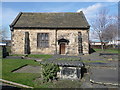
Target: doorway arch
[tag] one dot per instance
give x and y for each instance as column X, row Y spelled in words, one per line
column 62, row 45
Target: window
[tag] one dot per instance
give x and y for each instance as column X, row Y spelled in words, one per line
column 79, row 42
column 42, row 40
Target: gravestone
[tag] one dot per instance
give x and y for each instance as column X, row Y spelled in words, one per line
column 68, row 69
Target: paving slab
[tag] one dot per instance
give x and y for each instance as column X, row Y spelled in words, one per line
column 106, row 64
column 29, row 69
column 105, row 75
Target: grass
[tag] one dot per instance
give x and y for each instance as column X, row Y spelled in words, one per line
column 70, row 59
column 84, row 61
column 67, row 83
column 107, row 50
column 9, row 65
column 63, row 83
column 30, row 79
column 96, row 61
column 17, row 55
column 43, row 56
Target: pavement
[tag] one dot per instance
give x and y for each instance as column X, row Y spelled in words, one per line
column 28, row 69
column 101, row 75
column 104, row 75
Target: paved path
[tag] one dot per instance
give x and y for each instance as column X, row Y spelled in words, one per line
column 104, row 75
column 101, row 75
column 29, row 69
column 10, row 84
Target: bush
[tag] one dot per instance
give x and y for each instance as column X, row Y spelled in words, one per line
column 49, row 71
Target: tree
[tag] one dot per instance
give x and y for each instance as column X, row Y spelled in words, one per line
column 100, row 24
column 3, row 34
column 110, row 33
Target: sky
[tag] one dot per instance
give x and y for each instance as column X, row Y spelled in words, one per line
column 11, row 9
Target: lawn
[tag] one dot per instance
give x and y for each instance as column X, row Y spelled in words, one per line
column 42, row 56
column 107, row 50
column 30, row 79
column 70, row 59
column 9, row 65
column 96, row 61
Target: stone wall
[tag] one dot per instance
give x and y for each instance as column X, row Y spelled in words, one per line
column 72, row 36
column 85, row 41
column 69, row 73
column 18, row 40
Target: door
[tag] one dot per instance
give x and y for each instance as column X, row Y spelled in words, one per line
column 62, row 48
column 27, row 44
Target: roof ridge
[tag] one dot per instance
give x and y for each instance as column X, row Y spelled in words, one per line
column 51, row 12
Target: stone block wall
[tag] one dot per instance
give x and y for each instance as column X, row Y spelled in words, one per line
column 18, row 41
column 85, row 41
column 72, row 36
column 69, row 73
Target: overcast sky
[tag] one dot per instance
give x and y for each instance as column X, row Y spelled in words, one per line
column 11, row 9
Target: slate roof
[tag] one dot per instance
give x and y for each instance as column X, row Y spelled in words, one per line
column 50, row 20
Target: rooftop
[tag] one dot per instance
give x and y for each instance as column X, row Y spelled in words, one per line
column 50, row 20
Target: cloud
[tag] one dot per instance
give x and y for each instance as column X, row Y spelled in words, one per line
column 90, row 13
column 91, row 9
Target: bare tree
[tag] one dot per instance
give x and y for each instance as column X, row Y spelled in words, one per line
column 3, row 34
column 100, row 23
column 110, row 33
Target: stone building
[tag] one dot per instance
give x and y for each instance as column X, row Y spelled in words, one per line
column 50, row 33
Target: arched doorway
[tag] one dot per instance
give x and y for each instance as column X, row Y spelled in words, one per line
column 62, row 45
column 62, row 48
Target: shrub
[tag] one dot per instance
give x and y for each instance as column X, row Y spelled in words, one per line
column 49, row 71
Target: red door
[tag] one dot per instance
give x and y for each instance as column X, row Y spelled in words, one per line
column 62, row 48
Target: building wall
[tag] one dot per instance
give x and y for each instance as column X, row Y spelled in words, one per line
column 18, row 40
column 72, row 36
